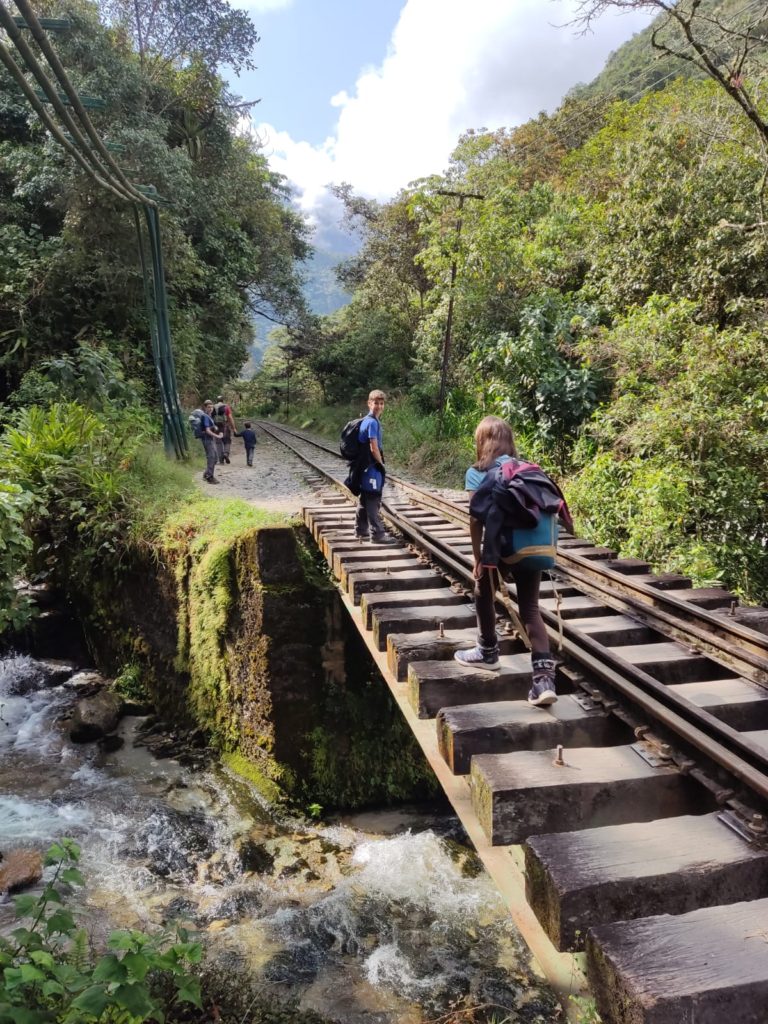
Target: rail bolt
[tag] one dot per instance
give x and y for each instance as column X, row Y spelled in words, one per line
column 559, row 760
column 757, row 823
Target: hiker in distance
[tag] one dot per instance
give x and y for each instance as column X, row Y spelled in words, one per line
column 248, row 435
column 210, row 436
column 225, row 424
column 370, row 473
column 514, row 507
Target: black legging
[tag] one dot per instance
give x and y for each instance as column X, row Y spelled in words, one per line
column 527, row 584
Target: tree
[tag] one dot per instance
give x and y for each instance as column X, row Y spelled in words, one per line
column 727, row 42
column 178, row 32
column 69, row 269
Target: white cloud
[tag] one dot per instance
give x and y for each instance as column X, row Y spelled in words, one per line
column 449, row 66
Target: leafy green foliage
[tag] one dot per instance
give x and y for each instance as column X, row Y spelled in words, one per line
column 537, row 379
column 49, row 974
column 15, row 546
column 69, row 460
column 69, row 268
column 91, row 374
column 674, row 468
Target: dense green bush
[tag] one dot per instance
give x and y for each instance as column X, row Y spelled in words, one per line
column 71, row 460
column 15, row 547
column 673, row 469
column 49, row 974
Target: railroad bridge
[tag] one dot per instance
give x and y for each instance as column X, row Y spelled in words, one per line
column 627, row 820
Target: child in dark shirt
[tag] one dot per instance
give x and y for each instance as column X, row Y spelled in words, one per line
column 248, row 435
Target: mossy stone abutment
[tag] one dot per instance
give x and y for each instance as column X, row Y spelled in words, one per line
column 234, row 630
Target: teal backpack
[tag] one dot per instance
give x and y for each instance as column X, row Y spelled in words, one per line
column 535, row 548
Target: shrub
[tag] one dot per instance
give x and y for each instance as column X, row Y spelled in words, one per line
column 48, row 972
column 15, row 546
column 71, row 462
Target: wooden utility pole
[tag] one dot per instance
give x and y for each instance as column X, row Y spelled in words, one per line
column 445, row 363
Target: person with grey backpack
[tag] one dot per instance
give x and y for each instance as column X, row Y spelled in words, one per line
column 204, row 429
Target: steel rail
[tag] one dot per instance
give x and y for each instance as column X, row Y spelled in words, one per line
column 749, row 659
column 739, row 756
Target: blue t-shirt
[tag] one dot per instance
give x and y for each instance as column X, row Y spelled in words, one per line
column 206, row 423
column 372, row 479
column 474, row 477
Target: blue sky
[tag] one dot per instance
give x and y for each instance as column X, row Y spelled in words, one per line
column 377, row 92
column 309, row 51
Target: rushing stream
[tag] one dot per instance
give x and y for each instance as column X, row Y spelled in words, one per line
column 357, row 923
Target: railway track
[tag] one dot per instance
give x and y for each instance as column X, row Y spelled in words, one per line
column 637, row 805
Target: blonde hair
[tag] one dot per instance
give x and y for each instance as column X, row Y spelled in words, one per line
column 376, row 393
column 493, row 438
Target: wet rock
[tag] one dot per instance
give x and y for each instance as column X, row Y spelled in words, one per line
column 109, row 744
column 19, row 869
column 94, row 717
column 20, row 675
column 180, row 909
column 86, row 683
column 41, row 594
column 173, row 842
column 254, row 856
column 135, row 709
column 57, row 671
column 310, row 858
column 238, row 904
column 52, row 634
column 189, row 749
column 464, row 858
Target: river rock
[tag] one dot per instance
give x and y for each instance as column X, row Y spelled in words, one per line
column 19, row 869
column 86, row 682
column 94, row 717
column 42, row 594
column 57, row 671
column 253, row 856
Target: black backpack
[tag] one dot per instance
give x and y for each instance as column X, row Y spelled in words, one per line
column 349, row 442
column 220, row 415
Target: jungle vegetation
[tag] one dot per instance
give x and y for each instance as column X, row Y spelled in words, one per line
column 609, row 290
column 606, row 266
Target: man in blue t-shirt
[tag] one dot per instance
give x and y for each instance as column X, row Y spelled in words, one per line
column 210, row 436
column 368, row 522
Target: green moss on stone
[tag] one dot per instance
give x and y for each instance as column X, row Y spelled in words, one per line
column 261, row 780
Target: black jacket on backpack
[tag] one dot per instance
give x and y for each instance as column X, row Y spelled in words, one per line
column 514, row 496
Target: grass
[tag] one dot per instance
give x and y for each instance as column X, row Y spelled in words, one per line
column 165, row 500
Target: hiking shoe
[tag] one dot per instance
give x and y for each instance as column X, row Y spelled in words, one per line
column 362, row 536
column 226, row 459
column 384, row 539
column 477, row 657
column 212, row 480
column 542, row 692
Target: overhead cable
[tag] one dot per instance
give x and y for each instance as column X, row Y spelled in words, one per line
column 18, row 76
column 43, row 42
column 79, row 141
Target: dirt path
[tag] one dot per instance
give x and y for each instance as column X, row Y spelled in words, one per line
column 277, row 479
column 275, row 482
